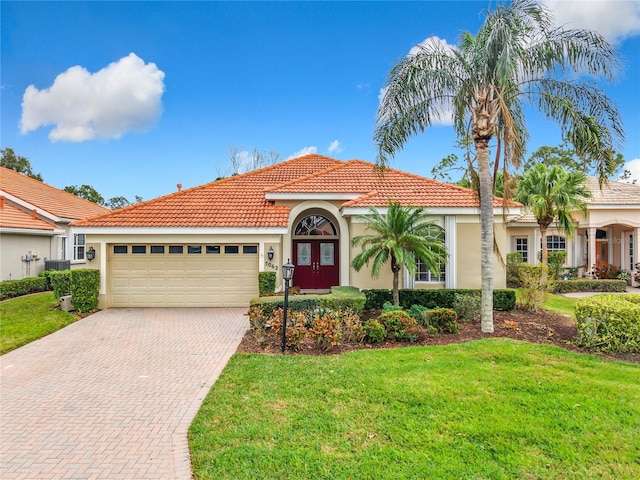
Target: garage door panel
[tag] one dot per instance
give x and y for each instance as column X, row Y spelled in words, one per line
column 182, row 280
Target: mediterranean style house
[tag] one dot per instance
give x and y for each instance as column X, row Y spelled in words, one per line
column 34, row 226
column 204, row 246
column 608, row 233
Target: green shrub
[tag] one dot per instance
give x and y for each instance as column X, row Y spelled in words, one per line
column 467, row 306
column 605, row 271
column 589, row 285
column 417, row 312
column 442, row 320
column 557, row 258
column 296, row 327
column 503, row 300
column 610, row 323
column 535, row 286
column 17, row 288
column 570, row 273
column 343, row 298
column 352, row 328
column 514, row 260
column 374, row 331
column 60, row 282
column 326, row 330
column 339, row 299
column 85, row 288
column 266, row 283
column 399, row 324
column 390, row 307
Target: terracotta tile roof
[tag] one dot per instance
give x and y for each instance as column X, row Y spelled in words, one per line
column 236, row 201
column 12, row 217
column 57, row 202
column 241, row 201
column 378, row 187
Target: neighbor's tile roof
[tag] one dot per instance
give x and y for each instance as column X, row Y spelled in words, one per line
column 612, row 193
column 56, row 202
column 241, row 201
column 12, row 217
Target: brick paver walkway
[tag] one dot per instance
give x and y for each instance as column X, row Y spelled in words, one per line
column 112, row 396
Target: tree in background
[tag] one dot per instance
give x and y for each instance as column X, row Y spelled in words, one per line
column 18, row 163
column 400, row 237
column 553, row 193
column 87, row 192
column 485, row 82
column 564, row 156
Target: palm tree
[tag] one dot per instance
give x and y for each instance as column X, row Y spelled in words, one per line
column 485, row 83
column 400, row 236
column 553, row 193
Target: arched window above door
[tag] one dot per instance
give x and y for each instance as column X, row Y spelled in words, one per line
column 315, row 225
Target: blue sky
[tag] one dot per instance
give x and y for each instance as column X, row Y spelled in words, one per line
column 135, row 97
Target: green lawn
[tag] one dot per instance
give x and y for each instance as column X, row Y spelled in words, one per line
column 491, row 409
column 25, row 319
column 560, row 304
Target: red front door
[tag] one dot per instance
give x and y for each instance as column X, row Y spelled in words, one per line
column 316, row 264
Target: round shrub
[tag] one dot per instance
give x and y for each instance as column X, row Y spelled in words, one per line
column 399, row 324
column 374, row 331
column 610, row 323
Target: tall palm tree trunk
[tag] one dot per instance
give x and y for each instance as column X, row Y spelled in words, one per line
column 395, row 268
column 544, row 257
column 486, row 233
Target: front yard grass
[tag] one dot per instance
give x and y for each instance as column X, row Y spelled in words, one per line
column 28, row 318
column 495, row 408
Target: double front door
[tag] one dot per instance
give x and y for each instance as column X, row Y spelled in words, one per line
column 316, row 263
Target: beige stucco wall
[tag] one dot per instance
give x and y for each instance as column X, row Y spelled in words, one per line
column 468, row 254
column 13, row 248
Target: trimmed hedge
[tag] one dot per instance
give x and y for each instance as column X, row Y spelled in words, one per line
column 60, row 282
column 589, row 285
column 17, row 288
column 340, row 298
column 502, row 299
column 610, row 323
column 85, row 287
column 266, row 283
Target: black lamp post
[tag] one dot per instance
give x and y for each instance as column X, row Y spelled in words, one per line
column 287, row 274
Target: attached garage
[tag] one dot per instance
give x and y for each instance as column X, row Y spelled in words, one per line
column 179, row 275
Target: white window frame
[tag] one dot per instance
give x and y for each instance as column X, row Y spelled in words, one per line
column 428, row 276
column 515, row 246
column 79, row 248
column 551, row 240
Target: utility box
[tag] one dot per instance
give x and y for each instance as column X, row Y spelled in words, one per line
column 65, row 303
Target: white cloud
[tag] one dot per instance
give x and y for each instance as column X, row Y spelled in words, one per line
column 445, row 115
column 634, row 167
column 615, row 20
column 334, row 147
column 122, row 97
column 303, row 152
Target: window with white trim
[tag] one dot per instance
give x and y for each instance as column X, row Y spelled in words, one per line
column 521, row 245
column 555, row 242
column 79, row 244
column 423, row 274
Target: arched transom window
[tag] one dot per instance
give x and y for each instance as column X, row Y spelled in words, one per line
column 315, row 225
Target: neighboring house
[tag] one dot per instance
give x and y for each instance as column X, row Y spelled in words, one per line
column 205, row 246
column 34, row 225
column 608, row 233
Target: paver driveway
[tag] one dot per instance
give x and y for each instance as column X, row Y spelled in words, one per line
column 112, row 396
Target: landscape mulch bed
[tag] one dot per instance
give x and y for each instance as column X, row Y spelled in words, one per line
column 536, row 327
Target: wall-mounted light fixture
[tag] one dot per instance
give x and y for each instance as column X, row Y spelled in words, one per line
column 91, row 254
column 270, row 253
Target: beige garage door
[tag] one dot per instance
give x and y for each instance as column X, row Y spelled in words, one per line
column 182, row 275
